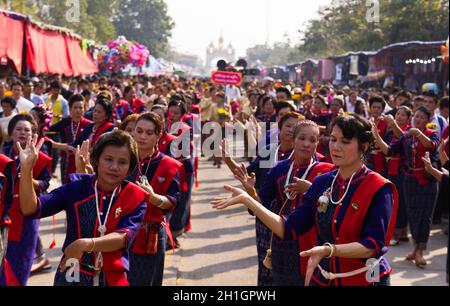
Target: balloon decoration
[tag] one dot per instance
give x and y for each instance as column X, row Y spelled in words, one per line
column 444, row 50
column 433, row 87
column 86, row 44
column 119, row 53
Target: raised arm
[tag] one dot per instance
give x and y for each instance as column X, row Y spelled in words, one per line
column 271, row 220
column 442, row 154
column 424, row 139
column 28, row 158
column 430, row 169
column 384, row 147
column 63, row 146
column 226, row 157
column 392, row 124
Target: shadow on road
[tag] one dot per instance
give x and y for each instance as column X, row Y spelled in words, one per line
column 214, row 213
column 217, row 233
column 221, row 247
column 209, row 271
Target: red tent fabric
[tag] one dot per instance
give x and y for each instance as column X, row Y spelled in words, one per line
column 55, row 53
column 80, row 62
column 46, row 51
column 11, row 40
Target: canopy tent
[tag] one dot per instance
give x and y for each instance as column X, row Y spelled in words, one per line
column 54, row 53
column 48, row 49
column 11, row 37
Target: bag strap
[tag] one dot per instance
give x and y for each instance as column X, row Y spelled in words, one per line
column 279, row 214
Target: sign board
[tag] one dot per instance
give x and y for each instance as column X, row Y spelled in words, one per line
column 226, row 78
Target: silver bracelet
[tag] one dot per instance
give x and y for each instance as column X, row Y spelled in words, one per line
column 93, row 246
column 332, row 247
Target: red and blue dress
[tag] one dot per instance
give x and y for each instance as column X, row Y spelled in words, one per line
column 366, row 215
column 23, row 232
column 288, row 269
column 92, row 134
column 69, row 132
column 420, row 190
column 78, row 200
column 148, row 250
column 7, row 277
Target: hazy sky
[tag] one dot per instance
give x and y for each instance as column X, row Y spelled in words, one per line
column 244, row 23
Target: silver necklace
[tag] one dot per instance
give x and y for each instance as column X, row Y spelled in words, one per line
column 74, row 135
column 346, row 190
column 305, row 175
column 102, row 231
column 102, row 226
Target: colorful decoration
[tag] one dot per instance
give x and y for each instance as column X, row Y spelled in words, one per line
column 223, row 114
column 48, row 116
column 433, row 87
column 444, row 50
column 308, row 87
column 86, row 44
column 117, row 54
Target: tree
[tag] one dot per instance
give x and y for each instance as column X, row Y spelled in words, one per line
column 343, row 26
column 100, row 12
column 70, row 14
column 258, row 52
column 280, row 53
column 90, row 19
column 147, row 22
column 25, row 7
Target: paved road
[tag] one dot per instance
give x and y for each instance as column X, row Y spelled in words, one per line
column 220, row 249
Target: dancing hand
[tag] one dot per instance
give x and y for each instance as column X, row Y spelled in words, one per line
column 82, row 158
column 238, row 197
column 442, row 154
column 29, row 155
column 414, row 132
column 247, row 181
column 389, row 119
column 315, row 255
column 298, row 186
column 427, row 162
column 144, row 184
column 75, row 250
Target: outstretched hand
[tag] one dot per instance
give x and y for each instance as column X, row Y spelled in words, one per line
column 315, row 255
column 247, row 181
column 29, row 155
column 238, row 197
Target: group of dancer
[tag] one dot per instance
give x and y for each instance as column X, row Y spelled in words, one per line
column 344, row 188
column 337, row 191
column 122, row 193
